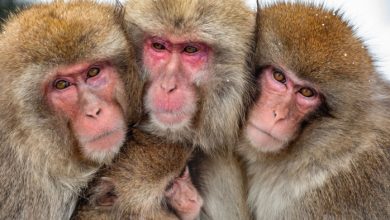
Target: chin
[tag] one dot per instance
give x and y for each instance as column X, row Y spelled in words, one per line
column 269, row 146
column 170, row 123
column 104, row 150
column 101, row 156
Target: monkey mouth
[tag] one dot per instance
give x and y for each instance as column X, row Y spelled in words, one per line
column 107, row 140
column 253, row 125
column 172, row 117
column 261, row 138
column 103, row 135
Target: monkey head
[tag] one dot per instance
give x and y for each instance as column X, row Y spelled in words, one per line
column 309, row 73
column 65, row 71
column 194, row 58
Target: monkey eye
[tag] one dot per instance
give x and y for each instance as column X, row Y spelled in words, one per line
column 61, row 84
column 279, row 76
column 158, row 46
column 307, row 92
column 94, row 71
column 190, row 49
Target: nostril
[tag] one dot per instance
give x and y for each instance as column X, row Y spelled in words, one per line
column 168, row 87
column 93, row 114
column 274, row 114
column 172, row 89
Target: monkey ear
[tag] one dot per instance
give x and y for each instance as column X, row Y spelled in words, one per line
column 105, row 192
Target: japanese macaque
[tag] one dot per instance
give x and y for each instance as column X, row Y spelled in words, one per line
column 316, row 143
column 149, row 180
column 194, row 56
column 64, row 110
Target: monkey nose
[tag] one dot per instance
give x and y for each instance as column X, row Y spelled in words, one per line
column 279, row 114
column 93, row 112
column 168, row 86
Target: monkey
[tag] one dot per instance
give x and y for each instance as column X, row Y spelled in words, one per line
column 148, row 180
column 194, row 56
column 316, row 141
column 64, row 114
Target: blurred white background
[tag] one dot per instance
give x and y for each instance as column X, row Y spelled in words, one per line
column 372, row 17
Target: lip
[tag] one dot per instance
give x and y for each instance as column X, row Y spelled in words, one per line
column 103, row 135
column 259, row 129
column 169, row 117
column 106, row 139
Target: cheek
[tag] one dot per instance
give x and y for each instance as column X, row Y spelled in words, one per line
column 113, row 91
column 121, row 97
column 307, row 105
column 154, row 61
column 196, row 61
column 64, row 103
column 196, row 66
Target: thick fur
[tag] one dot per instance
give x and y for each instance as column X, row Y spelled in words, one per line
column 227, row 27
column 41, row 169
column 139, row 176
column 339, row 166
column 222, row 185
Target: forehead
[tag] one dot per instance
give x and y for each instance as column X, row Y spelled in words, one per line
column 315, row 43
column 64, row 32
column 175, row 39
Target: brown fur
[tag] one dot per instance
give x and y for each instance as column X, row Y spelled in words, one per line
column 338, row 167
column 227, row 27
column 41, row 169
column 221, row 181
column 139, row 177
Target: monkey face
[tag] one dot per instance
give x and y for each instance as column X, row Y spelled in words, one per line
column 284, row 102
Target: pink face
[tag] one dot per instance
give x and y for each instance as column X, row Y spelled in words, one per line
column 284, row 102
column 84, row 93
column 184, row 198
column 175, row 68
